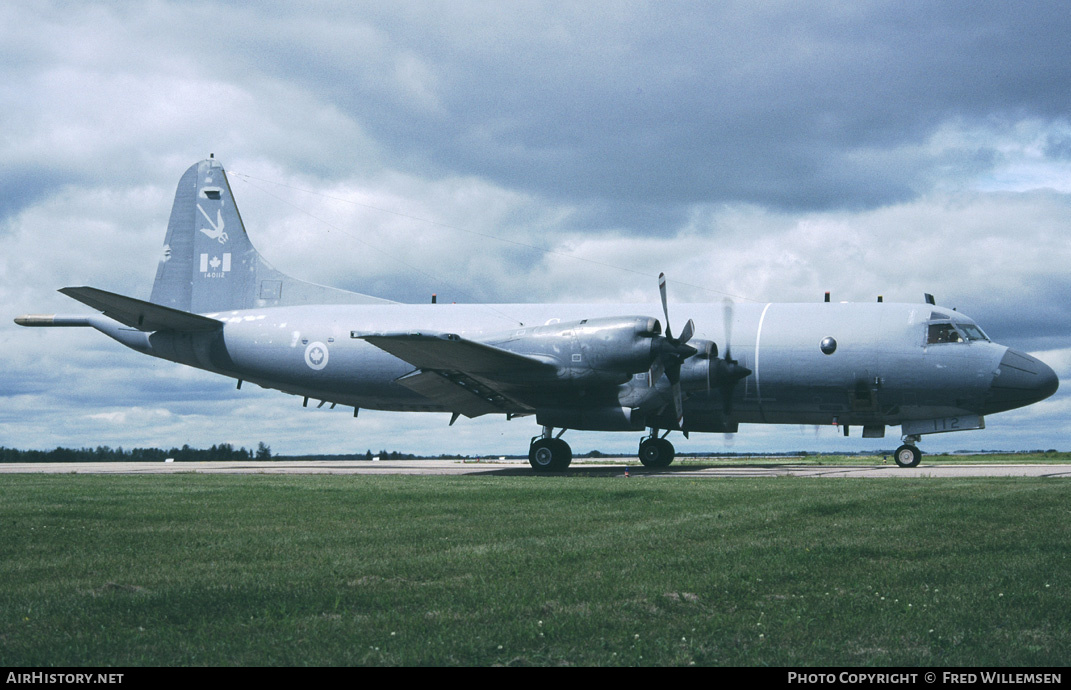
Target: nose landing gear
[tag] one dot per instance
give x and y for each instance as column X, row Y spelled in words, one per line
column 908, row 455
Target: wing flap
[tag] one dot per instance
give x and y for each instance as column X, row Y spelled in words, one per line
column 459, row 393
column 144, row 316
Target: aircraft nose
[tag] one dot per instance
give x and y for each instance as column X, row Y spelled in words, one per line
column 1020, row 380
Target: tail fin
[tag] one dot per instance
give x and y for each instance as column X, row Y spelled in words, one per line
column 209, row 264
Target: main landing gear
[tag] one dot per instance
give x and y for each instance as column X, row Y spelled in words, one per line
column 656, row 452
column 549, row 453
column 908, row 455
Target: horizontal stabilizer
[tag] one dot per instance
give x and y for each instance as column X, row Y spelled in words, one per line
column 144, row 316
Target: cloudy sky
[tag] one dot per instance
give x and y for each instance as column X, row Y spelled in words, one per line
column 529, row 151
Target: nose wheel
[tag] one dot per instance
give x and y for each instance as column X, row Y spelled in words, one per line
column 908, row 455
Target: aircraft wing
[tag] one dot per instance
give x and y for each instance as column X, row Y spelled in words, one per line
column 465, row 376
column 144, row 316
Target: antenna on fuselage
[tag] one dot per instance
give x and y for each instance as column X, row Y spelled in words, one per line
column 929, row 299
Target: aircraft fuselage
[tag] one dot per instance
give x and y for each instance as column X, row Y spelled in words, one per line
column 882, row 370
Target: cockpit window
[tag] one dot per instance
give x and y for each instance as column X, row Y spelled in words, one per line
column 972, row 332
column 943, row 333
column 949, row 333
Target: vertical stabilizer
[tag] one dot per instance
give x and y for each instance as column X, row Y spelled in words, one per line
column 209, row 264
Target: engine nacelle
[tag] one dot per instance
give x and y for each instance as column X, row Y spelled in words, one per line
column 710, row 422
column 597, row 419
column 696, row 370
column 618, row 344
column 604, row 350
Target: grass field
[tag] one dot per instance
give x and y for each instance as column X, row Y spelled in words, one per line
column 329, row 570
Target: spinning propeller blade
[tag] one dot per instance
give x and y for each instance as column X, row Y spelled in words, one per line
column 671, row 353
column 729, row 371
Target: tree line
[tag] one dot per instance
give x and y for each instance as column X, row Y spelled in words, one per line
column 220, row 452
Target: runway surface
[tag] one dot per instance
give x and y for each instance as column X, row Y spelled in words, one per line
column 603, row 467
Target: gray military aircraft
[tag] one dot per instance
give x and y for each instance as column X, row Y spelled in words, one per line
column 218, row 306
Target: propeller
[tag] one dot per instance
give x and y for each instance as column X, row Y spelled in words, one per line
column 671, row 353
column 727, row 370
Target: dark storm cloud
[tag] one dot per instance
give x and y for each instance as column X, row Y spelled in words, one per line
column 799, row 106
column 632, row 108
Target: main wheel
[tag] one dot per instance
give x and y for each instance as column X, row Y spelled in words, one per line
column 908, row 456
column 656, row 452
column 550, row 455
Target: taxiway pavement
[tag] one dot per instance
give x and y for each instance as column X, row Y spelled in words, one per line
column 601, row 467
